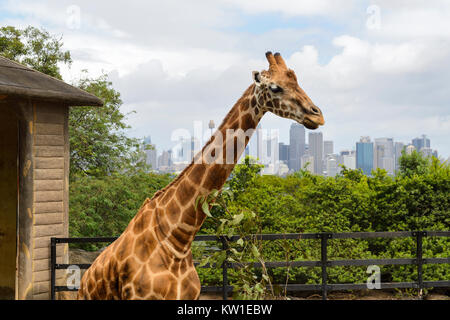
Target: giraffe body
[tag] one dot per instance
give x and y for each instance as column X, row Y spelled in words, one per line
column 152, row 258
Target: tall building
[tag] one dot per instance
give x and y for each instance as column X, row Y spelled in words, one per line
column 150, row 153
column 332, row 165
column 348, row 159
column 410, row 149
column 284, row 152
column 164, row 160
column 327, row 148
column 315, row 141
column 296, row 146
column 271, row 160
column 384, row 154
column 364, row 155
column 427, row 152
column 422, row 142
column 307, row 163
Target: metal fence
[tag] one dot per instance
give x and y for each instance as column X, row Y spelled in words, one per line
column 324, row 262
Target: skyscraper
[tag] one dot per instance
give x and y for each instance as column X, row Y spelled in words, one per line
column 331, row 165
column 409, row 149
column 422, row 142
column 284, row 152
column 364, row 155
column 307, row 163
column 150, row 153
column 296, row 146
column 384, row 154
column 315, row 141
column 327, row 148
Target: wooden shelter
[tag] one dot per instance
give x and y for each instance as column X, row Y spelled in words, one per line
column 34, row 175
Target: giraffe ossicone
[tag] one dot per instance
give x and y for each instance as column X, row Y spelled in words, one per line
column 152, row 258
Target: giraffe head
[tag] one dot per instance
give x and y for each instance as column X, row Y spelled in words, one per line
column 277, row 91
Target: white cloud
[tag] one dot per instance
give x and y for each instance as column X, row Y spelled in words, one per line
column 294, row 8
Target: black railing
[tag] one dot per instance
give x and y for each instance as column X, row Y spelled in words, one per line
column 324, row 263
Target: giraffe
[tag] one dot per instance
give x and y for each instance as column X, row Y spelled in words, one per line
column 152, row 258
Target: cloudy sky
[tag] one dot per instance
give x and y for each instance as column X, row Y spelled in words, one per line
column 378, row 68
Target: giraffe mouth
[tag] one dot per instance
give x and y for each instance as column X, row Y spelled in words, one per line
column 310, row 124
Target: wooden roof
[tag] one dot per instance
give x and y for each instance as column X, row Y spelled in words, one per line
column 19, row 81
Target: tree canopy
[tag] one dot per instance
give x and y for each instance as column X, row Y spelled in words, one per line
column 34, row 48
column 98, row 143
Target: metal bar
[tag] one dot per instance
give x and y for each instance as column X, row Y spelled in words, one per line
column 339, row 235
column 339, row 286
column 278, row 264
column 330, row 263
column 64, row 288
column 368, row 262
column 323, row 259
column 215, row 289
column 286, row 236
column 52, row 267
column 225, row 269
column 368, row 235
column 437, row 284
column 419, row 254
column 436, row 260
column 438, row 233
column 363, row 286
column 84, row 240
column 67, row 265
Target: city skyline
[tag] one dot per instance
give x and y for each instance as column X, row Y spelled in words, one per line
column 318, row 154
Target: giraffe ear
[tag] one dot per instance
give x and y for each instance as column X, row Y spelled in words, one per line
column 256, row 77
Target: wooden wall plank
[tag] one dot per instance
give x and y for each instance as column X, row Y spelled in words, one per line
column 43, row 253
column 47, row 117
column 48, row 174
column 48, row 218
column 48, row 185
column 49, row 140
column 41, row 287
column 49, row 128
column 49, row 151
column 49, row 163
column 48, row 196
column 48, row 207
column 55, row 230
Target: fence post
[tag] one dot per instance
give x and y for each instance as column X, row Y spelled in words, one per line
column 323, row 259
column 52, row 267
column 225, row 269
column 419, row 255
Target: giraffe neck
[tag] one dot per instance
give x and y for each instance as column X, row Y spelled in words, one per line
column 208, row 171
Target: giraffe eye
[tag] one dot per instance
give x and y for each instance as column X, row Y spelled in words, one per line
column 275, row 89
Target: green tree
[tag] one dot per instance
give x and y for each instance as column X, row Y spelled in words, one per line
column 103, row 206
column 414, row 163
column 98, row 144
column 35, row 48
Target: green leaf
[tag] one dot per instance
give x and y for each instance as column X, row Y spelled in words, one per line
column 237, row 218
column 255, row 251
column 205, row 208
